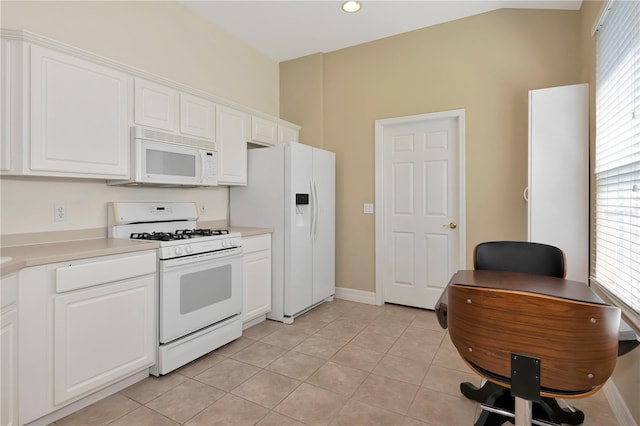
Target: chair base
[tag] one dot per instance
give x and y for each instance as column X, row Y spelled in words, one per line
column 495, row 395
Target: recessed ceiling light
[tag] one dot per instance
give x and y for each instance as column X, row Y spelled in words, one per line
column 351, row 6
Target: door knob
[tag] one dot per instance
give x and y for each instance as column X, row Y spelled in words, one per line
column 451, row 225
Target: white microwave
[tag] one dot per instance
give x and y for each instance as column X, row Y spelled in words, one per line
column 158, row 159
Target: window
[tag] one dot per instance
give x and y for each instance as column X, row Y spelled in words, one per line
column 617, row 156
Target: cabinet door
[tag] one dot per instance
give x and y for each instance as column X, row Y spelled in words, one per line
column 257, row 284
column 9, row 366
column 5, row 108
column 196, row 116
column 287, row 134
column 559, row 173
column 102, row 334
column 264, row 131
column 78, row 117
column 155, row 105
column 231, row 135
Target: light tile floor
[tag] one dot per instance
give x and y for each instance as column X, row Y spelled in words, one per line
column 343, row 363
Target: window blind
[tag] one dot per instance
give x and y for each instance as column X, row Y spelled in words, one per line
column 617, row 153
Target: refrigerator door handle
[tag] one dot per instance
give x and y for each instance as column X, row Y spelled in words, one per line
column 312, row 225
column 317, row 211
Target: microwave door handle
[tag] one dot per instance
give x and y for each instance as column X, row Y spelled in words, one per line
column 202, row 167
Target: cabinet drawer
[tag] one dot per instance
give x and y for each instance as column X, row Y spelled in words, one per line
column 92, row 273
column 256, row 243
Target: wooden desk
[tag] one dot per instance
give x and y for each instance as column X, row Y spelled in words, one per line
column 528, row 283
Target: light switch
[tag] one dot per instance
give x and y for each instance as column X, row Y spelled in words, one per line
column 368, row 208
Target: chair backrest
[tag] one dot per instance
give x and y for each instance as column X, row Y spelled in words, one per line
column 575, row 341
column 520, row 256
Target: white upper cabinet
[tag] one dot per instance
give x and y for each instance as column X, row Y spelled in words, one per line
column 287, row 134
column 196, row 116
column 263, row 131
column 155, row 105
column 231, row 134
column 78, row 119
column 5, row 119
column 161, row 107
column 65, row 112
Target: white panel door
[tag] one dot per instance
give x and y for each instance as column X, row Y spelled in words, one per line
column 78, row 116
column 103, row 334
column 324, row 224
column 298, row 279
column 559, row 173
column 196, row 116
column 231, row 137
column 155, row 105
column 420, row 209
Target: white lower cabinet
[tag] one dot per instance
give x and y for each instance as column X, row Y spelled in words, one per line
column 8, row 351
column 257, row 276
column 102, row 334
column 87, row 325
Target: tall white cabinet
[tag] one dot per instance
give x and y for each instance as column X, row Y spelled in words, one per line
column 558, row 191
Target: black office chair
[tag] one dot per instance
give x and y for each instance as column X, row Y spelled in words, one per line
column 531, row 258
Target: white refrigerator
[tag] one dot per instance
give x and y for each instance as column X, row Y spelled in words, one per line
column 291, row 189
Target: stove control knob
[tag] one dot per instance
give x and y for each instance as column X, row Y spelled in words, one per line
column 232, row 243
column 178, row 251
column 225, row 243
column 189, row 249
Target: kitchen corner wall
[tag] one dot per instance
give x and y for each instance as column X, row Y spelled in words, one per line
column 161, row 37
column 485, row 64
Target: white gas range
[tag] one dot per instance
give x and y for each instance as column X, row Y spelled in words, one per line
column 200, row 278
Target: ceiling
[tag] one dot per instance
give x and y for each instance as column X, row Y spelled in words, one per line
column 284, row 30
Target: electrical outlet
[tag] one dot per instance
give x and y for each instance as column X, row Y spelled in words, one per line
column 59, row 213
column 368, row 208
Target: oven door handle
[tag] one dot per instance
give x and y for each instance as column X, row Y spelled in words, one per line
column 188, row 261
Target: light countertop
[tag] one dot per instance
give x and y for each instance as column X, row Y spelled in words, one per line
column 249, row 232
column 41, row 254
column 23, row 256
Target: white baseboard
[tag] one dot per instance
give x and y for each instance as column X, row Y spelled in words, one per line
column 618, row 406
column 360, row 296
column 93, row 398
column 254, row 321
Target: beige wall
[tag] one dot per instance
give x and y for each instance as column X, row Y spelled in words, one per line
column 301, row 96
column 485, row 64
column 163, row 38
column 626, row 375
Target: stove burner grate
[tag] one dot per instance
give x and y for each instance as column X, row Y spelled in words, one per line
column 180, row 234
column 202, row 232
column 158, row 236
